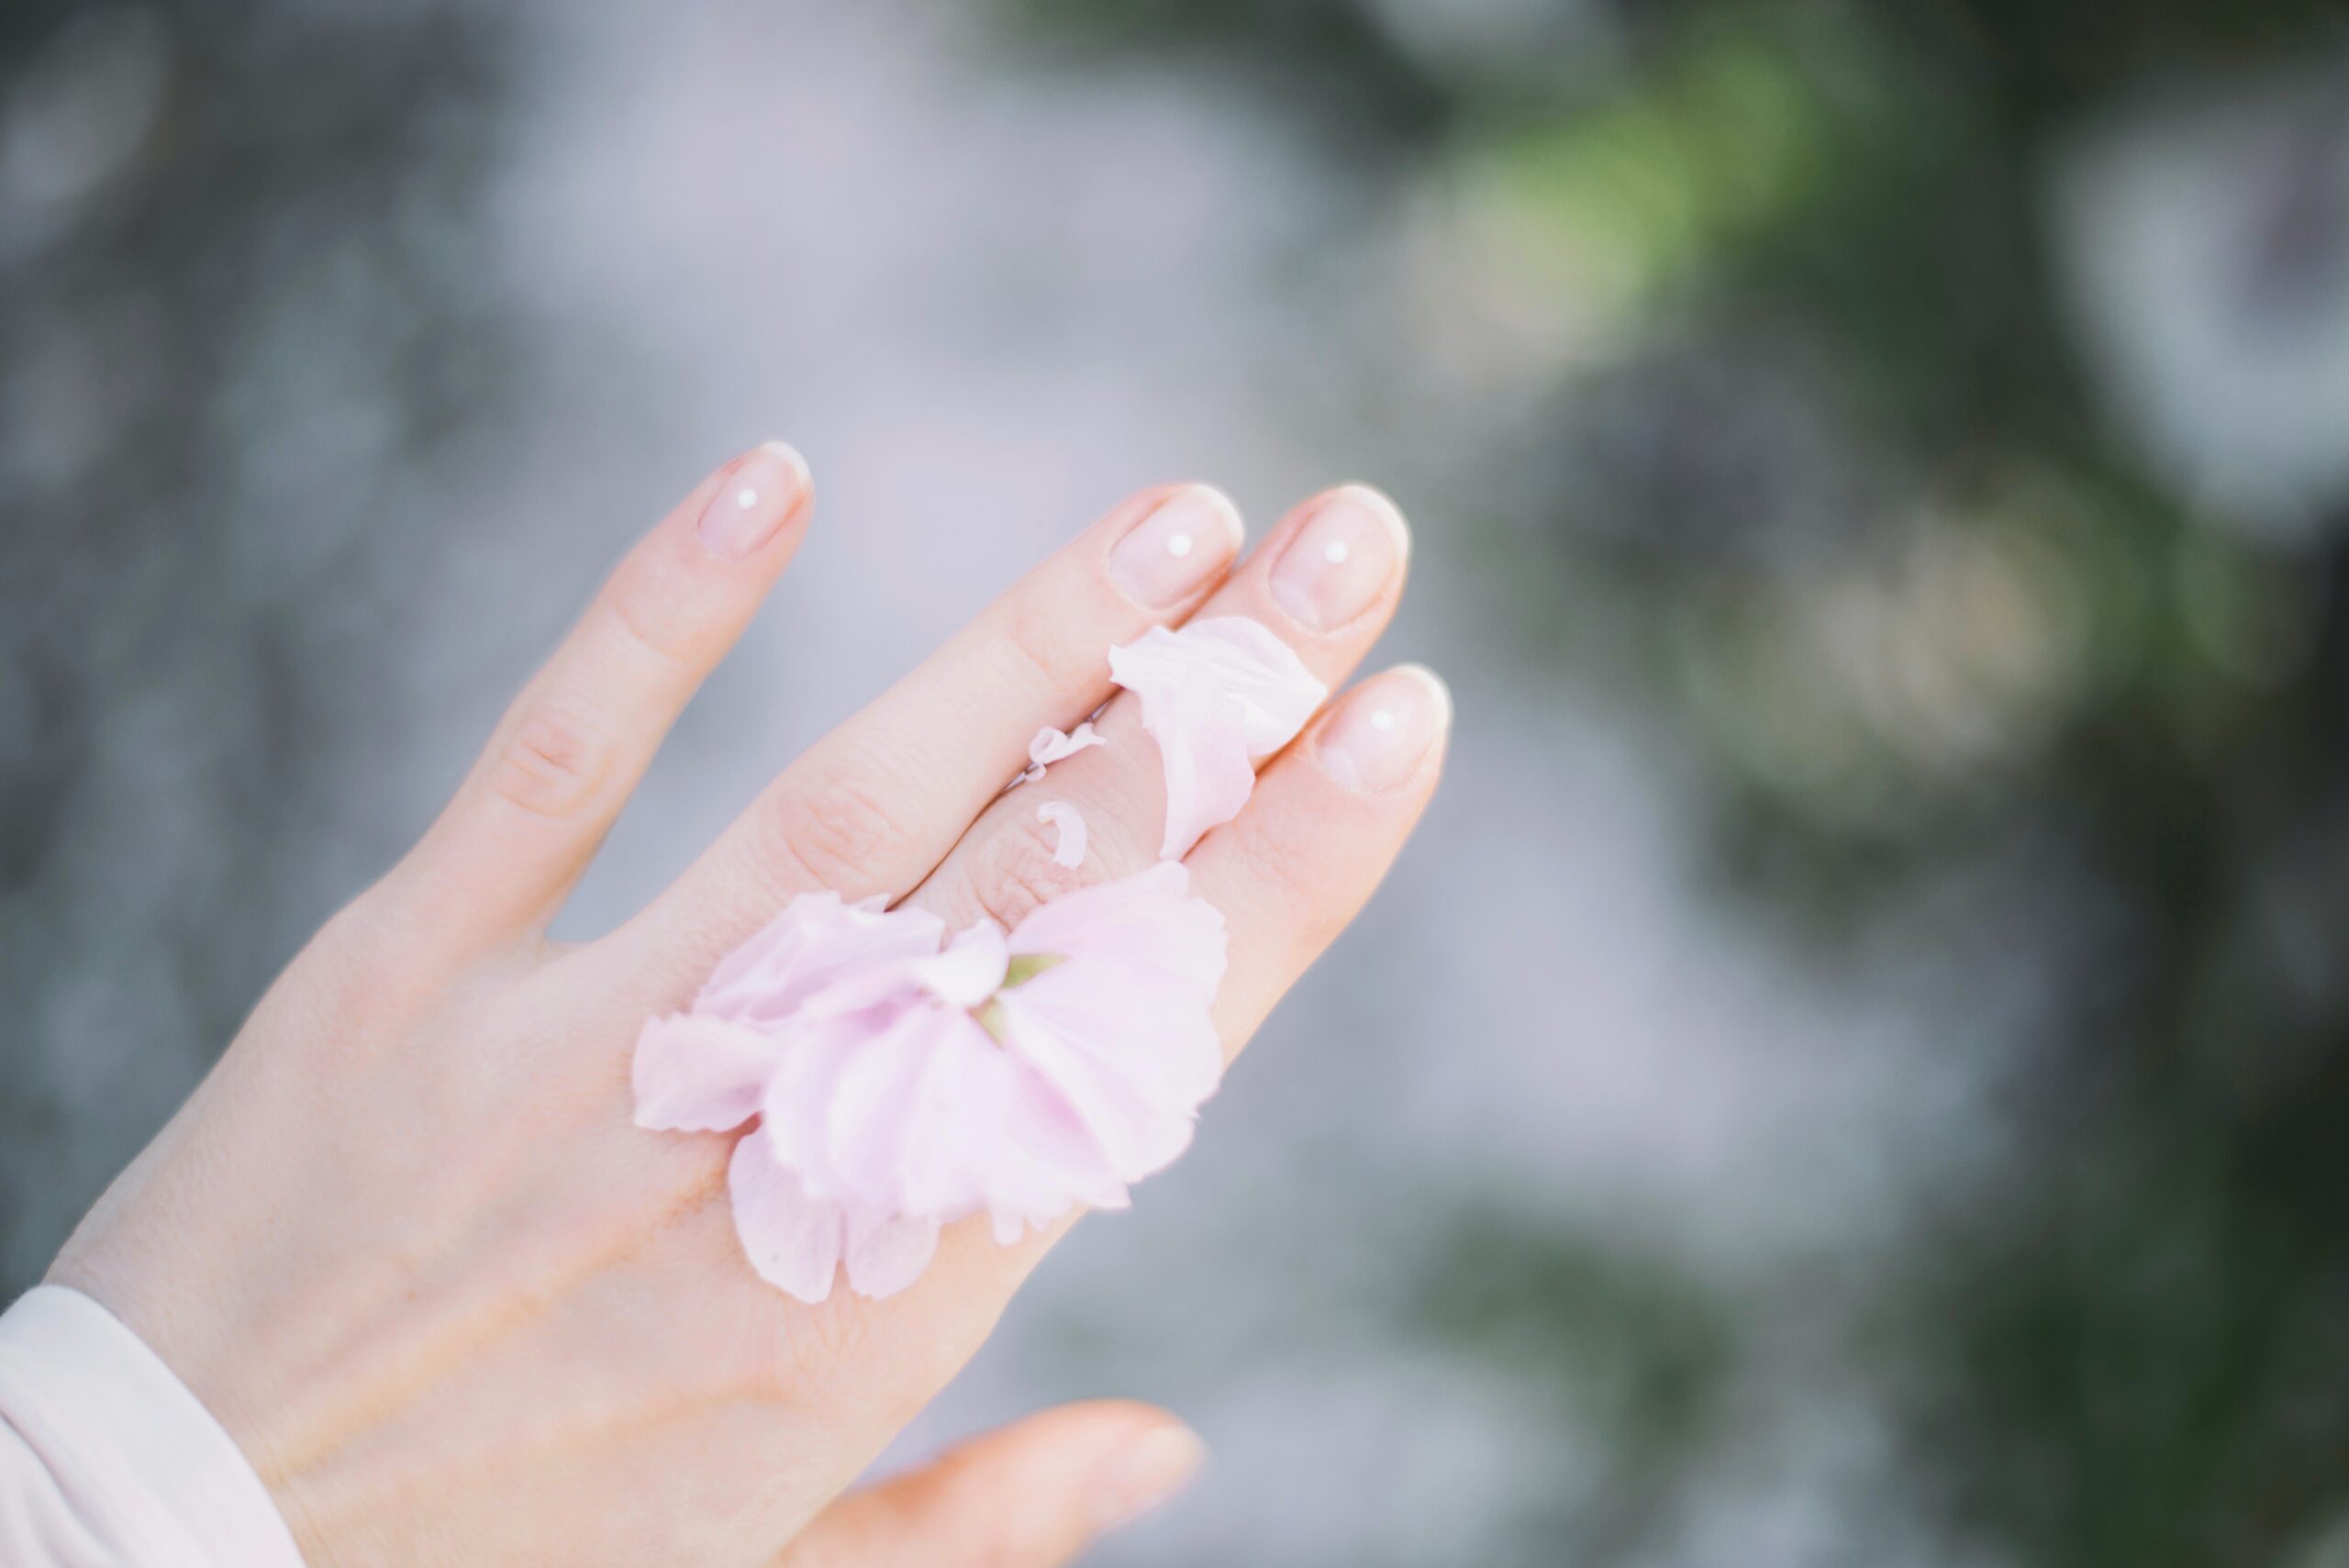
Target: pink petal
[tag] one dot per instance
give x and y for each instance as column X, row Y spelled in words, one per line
column 1243, row 659
column 889, row 1111
column 796, row 1115
column 793, row 1242
column 1202, row 744
column 1215, row 696
column 1052, row 1165
column 970, row 969
column 1068, row 845
column 816, row 940
column 1121, row 1030
column 888, row 1252
column 929, row 1118
column 966, row 975
column 865, row 1141
column 1132, row 1081
column 699, row 1074
column 1149, row 918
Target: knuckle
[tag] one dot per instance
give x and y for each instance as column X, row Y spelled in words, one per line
column 1038, row 639
column 553, row 762
column 1012, row 873
column 838, row 829
column 651, row 617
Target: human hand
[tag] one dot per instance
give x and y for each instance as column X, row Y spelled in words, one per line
column 408, row 1244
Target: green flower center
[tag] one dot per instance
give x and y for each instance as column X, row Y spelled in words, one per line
column 1022, row 968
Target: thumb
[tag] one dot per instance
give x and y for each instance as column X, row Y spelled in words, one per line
column 1031, row 1495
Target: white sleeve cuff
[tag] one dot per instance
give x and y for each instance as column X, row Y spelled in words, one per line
column 143, row 1475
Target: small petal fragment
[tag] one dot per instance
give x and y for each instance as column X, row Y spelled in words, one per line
column 1215, row 696
column 1068, row 846
column 1051, row 745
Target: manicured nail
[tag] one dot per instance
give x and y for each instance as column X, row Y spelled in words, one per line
column 1335, row 567
column 1145, row 1472
column 1383, row 730
column 1178, row 548
column 761, row 489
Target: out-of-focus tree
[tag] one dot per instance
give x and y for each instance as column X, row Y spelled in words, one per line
column 1942, row 410
column 237, row 267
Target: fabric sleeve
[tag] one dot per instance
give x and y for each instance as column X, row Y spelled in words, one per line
column 107, row 1461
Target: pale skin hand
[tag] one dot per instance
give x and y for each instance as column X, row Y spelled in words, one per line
column 406, row 1241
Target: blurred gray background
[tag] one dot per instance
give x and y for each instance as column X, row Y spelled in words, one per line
column 1856, row 1068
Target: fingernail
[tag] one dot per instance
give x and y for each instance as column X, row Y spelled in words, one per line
column 1144, row 1472
column 761, row 489
column 1383, row 730
column 1335, row 567
column 1178, row 548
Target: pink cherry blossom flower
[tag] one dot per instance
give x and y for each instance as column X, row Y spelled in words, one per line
column 1215, row 696
column 900, row 1087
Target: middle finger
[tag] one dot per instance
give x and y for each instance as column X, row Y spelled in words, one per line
column 1326, row 582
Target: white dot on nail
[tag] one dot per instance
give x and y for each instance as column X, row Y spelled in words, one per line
column 1382, row 719
column 1336, row 552
column 747, row 499
column 1179, row 546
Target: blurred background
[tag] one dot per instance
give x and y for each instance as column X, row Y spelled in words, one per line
column 1855, row 1070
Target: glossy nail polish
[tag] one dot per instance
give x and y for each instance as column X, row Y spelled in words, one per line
column 758, row 493
column 1177, row 548
column 1383, row 730
column 1334, row 568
